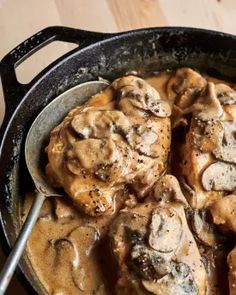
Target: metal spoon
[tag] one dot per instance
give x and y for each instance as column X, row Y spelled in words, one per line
column 36, row 141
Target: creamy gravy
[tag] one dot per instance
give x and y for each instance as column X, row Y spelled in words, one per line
column 70, row 251
column 59, row 243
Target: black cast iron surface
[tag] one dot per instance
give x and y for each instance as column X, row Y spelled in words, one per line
column 98, row 55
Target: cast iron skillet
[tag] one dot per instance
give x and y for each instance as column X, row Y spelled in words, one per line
column 105, row 55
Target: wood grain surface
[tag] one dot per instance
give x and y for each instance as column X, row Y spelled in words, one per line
column 19, row 19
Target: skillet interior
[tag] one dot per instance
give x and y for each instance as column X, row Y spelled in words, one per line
column 143, row 51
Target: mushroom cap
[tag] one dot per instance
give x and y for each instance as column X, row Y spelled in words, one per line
column 219, row 176
column 207, row 106
column 226, row 147
column 167, row 189
column 182, row 80
column 225, row 94
column 165, row 230
column 148, row 264
column 137, row 97
column 129, row 228
column 100, row 123
column 144, row 139
column 70, row 254
column 179, row 281
column 206, row 135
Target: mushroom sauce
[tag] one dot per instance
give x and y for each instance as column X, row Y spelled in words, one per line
column 148, row 167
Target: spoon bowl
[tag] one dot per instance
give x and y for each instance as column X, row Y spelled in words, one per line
column 36, row 141
column 39, row 132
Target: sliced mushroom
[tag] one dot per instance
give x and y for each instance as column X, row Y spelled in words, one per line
column 184, row 79
column 143, row 139
column 179, row 281
column 129, row 80
column 100, row 123
column 225, row 94
column 224, row 212
column 187, row 98
column 85, row 237
column 135, row 104
column 167, row 189
column 204, row 230
column 207, row 135
column 148, row 264
column 160, row 108
column 136, row 96
column 217, row 137
column 127, row 106
column 219, row 176
column 79, row 279
column 90, row 153
column 207, row 106
column 165, row 230
column 106, row 159
column 229, row 132
column 79, row 242
column 128, row 229
column 66, row 251
column 226, row 148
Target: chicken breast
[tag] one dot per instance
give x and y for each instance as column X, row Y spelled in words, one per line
column 207, row 165
column 120, row 136
column 156, row 252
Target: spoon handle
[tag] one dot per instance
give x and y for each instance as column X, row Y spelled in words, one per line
column 15, row 255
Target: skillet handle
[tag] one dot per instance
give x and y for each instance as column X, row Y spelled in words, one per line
column 15, row 91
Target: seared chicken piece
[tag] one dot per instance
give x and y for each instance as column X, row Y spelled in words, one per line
column 208, row 154
column 156, row 252
column 232, row 271
column 120, row 136
column 208, row 169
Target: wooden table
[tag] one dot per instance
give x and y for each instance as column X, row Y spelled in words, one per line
column 21, row 19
